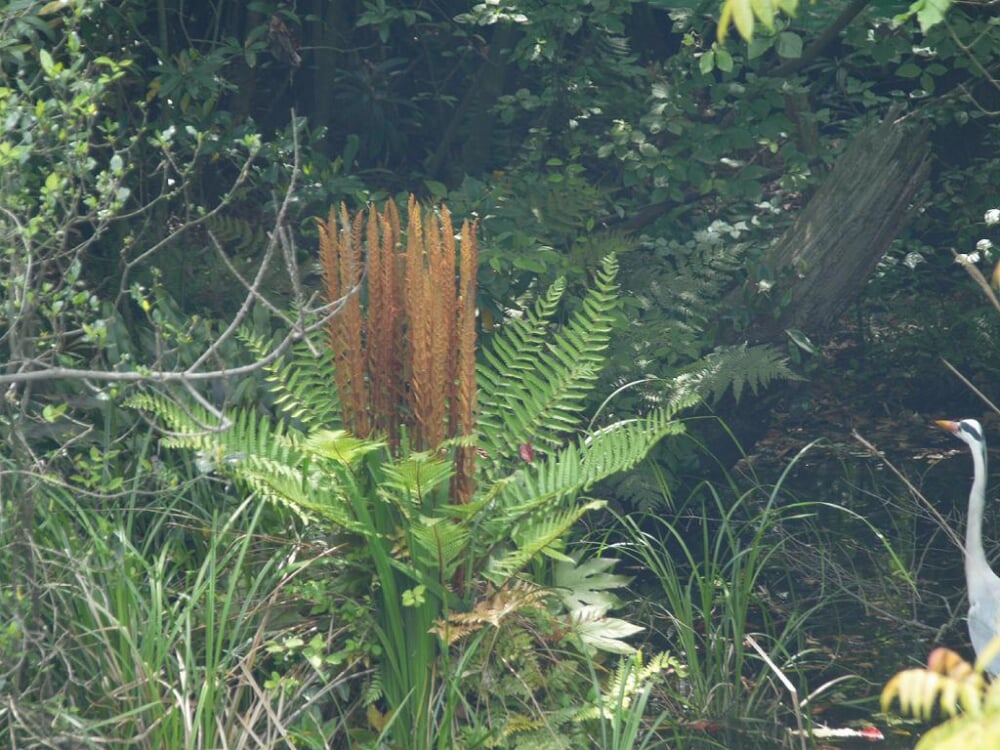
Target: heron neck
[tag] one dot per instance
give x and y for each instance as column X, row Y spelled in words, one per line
column 975, row 555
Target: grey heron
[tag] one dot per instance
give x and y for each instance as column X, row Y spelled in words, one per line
column 983, row 584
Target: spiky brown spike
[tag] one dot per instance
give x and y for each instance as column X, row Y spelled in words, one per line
column 464, row 405
column 385, row 321
column 418, row 323
column 411, row 359
column 440, row 322
column 446, row 342
column 340, row 257
column 359, row 356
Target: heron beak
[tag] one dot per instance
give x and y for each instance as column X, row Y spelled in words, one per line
column 947, row 424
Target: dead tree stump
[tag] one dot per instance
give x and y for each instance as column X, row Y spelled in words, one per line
column 824, row 259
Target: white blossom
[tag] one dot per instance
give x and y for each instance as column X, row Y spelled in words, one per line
column 992, row 217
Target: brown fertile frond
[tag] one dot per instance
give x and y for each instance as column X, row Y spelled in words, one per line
column 340, row 257
column 385, row 320
column 440, row 249
column 493, row 610
column 446, row 345
column 410, row 358
column 463, row 409
column 418, row 297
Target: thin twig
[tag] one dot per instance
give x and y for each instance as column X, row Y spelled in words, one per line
column 298, row 330
column 935, row 513
column 968, row 384
column 750, row 641
column 253, row 292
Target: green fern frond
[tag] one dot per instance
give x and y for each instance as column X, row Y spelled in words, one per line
column 542, row 533
column 274, row 461
column 513, row 354
column 413, row 479
column 237, row 235
column 340, row 446
column 533, row 388
column 579, row 465
column 439, row 545
column 303, row 384
column 631, row 678
column 678, row 286
column 375, row 690
column 736, row 367
column 194, row 427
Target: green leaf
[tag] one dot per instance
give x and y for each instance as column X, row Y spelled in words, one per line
column 53, row 7
column 765, row 12
column 648, row 149
column 600, row 633
column 802, row 341
column 706, row 63
column 789, row 45
column 588, row 583
column 52, row 412
column 339, row 445
column 437, row 189
column 48, row 64
column 723, row 61
column 758, row 46
column 738, row 13
column 908, row 70
column 931, row 13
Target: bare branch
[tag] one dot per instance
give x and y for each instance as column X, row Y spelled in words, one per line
column 298, row 328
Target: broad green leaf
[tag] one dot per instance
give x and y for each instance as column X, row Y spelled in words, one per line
column 52, row 412
column 603, row 633
column 789, row 45
column 706, row 63
column 648, row 149
column 53, row 7
column 931, row 13
column 437, row 189
column 759, row 46
column 48, row 65
column 742, row 13
column 765, row 12
column 588, row 583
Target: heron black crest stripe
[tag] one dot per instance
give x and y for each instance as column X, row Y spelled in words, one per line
column 966, row 427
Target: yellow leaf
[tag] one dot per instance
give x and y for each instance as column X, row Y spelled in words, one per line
column 725, row 18
column 739, row 13
column 743, row 17
column 764, row 11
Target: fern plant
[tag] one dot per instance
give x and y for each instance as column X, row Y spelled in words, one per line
column 678, row 287
column 440, row 503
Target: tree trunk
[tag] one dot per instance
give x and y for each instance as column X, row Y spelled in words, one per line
column 821, row 263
